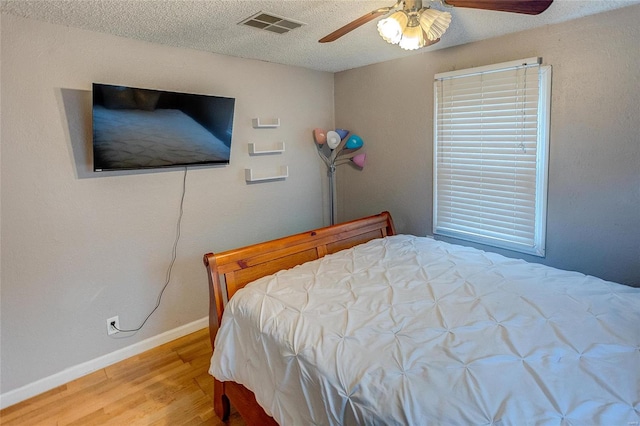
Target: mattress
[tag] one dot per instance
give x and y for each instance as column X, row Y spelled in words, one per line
column 411, row 331
column 131, row 139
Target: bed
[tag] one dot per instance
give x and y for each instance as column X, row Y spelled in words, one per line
column 355, row 324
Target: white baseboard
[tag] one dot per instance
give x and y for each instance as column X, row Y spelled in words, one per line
column 65, row 376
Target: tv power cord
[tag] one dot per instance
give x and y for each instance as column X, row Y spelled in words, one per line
column 170, row 268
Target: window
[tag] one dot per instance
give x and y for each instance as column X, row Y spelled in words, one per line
column 491, row 131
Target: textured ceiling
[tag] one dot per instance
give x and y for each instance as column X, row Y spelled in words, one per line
column 212, row 25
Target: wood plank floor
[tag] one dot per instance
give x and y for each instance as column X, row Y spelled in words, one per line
column 168, row 385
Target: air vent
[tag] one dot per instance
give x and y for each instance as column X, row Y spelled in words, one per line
column 270, row 22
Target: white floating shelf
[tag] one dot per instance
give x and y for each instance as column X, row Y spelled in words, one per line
column 266, row 124
column 249, row 175
column 260, row 149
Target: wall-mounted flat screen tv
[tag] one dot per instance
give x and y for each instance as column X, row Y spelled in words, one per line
column 135, row 128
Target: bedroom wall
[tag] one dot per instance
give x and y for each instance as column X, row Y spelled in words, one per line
column 594, row 173
column 79, row 247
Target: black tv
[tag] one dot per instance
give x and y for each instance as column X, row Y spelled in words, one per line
column 136, row 128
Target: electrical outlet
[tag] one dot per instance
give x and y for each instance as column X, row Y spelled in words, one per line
column 110, row 329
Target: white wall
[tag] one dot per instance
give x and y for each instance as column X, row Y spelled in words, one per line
column 594, row 172
column 79, row 247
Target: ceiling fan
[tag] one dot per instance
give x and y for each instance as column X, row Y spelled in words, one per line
column 413, row 26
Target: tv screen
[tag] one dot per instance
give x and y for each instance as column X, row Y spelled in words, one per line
column 135, row 128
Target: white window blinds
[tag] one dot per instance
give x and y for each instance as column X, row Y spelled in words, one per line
column 490, row 154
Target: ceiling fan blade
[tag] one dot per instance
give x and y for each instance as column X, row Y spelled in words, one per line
column 529, row 7
column 353, row 25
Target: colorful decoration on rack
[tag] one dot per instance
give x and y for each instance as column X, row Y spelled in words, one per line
column 320, row 136
column 333, row 139
column 334, row 148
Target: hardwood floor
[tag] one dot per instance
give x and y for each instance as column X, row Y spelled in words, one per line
column 168, row 385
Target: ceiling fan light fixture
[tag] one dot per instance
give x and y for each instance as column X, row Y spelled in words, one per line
column 434, row 23
column 391, row 28
column 412, row 36
column 414, row 28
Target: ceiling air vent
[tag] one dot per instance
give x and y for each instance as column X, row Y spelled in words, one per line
column 270, row 22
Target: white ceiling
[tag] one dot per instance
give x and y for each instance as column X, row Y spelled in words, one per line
column 212, row 25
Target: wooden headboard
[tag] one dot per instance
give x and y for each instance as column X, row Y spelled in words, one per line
column 231, row 270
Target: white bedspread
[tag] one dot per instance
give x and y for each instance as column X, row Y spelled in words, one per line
column 413, row 331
